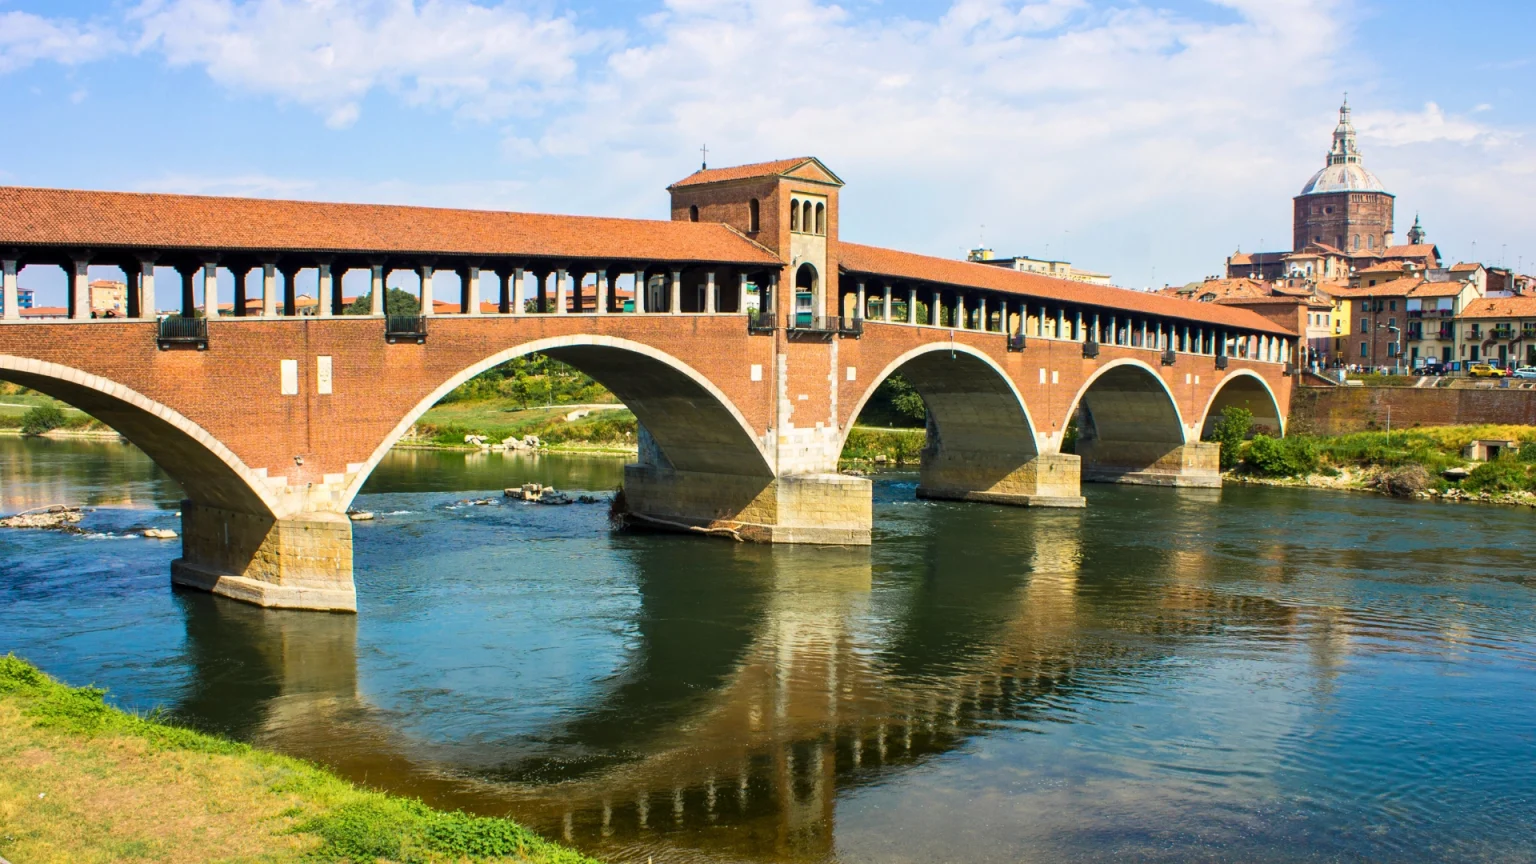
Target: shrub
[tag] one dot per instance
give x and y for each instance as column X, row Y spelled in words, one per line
column 1500, row 475
column 1230, row 431
column 1281, row 457
column 897, row 445
column 41, row 418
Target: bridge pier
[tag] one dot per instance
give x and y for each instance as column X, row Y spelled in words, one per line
column 828, row 509
column 1045, row 480
column 300, row 562
column 1150, row 463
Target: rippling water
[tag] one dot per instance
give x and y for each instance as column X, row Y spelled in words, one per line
column 1250, row 674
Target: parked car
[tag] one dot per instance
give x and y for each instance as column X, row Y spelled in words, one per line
column 1483, row 370
column 1526, row 372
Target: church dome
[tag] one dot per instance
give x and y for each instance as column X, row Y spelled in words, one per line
column 1343, row 177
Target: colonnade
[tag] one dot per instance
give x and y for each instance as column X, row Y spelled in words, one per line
column 996, row 312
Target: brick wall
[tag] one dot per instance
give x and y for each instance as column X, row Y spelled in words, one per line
column 1341, row 410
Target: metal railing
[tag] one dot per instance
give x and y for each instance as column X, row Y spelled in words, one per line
column 1170, row 357
column 405, row 328
column 850, row 326
column 760, row 322
column 175, row 330
column 811, row 325
column 1221, row 361
column 1016, row 342
column 1091, row 348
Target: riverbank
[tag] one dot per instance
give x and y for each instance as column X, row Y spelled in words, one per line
column 81, row 781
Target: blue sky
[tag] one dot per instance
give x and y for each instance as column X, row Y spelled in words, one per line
column 1146, row 139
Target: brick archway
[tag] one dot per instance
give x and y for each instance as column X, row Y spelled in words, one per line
column 204, row 467
column 1245, row 389
column 695, row 426
column 1130, row 430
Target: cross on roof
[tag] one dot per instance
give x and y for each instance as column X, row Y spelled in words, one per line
column 704, row 162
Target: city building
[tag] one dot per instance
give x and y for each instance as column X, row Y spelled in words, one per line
column 25, row 299
column 109, row 298
column 1025, row 264
column 1501, row 329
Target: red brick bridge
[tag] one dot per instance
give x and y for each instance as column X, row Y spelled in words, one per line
column 742, row 333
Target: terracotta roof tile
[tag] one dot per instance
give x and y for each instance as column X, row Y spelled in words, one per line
column 1422, row 250
column 118, row 220
column 1501, row 307
column 1394, row 288
column 906, row 265
column 742, row 172
column 1438, row 289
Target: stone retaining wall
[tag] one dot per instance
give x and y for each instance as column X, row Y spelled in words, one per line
column 1340, row 410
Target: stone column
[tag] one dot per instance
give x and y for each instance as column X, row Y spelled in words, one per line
column 773, row 297
column 12, row 295
column 237, row 275
column 561, row 289
column 210, row 290
column 376, row 289
column 519, row 291
column 1143, row 332
column 301, row 562
column 959, row 318
column 600, row 288
column 911, row 305
column 1077, row 328
column 325, row 301
column 290, row 289
column 861, row 310
column 424, row 293
column 711, row 304
column 469, row 290
column 675, row 301
column 147, row 288
column 885, row 304
column 640, row 291
column 78, row 271
column 741, row 294
column 981, row 313
column 188, row 302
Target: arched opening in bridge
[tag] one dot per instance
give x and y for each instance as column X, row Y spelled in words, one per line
column 1245, row 390
column 956, row 413
column 1128, row 428
column 807, row 295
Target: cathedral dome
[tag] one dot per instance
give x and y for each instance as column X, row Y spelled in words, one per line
column 1343, row 177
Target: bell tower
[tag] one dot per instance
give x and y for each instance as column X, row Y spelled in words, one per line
column 1344, row 206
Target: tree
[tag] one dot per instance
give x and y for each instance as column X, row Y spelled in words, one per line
column 1230, row 432
column 397, row 302
column 41, row 418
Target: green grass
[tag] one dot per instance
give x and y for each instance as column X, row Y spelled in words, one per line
column 83, row 781
column 902, row 446
column 1435, row 448
column 496, row 419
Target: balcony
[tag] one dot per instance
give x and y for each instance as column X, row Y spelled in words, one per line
column 175, row 331
column 1015, row 342
column 851, row 327
column 807, row 326
column 760, row 322
column 405, row 328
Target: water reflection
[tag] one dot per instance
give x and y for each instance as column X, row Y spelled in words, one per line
column 1165, row 675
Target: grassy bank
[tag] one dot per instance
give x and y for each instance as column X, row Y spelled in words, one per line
column 445, row 425
column 873, row 446
column 1409, row 462
column 83, row 782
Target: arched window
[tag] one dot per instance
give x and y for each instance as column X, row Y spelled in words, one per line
column 752, row 216
column 693, row 213
column 794, row 215
column 821, row 212
column 805, row 217
column 1370, row 242
column 1357, row 242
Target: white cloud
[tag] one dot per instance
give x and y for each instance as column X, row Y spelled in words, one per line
column 26, row 39
column 329, row 55
column 1396, row 128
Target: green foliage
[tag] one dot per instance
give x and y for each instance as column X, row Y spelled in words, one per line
column 395, row 829
column 1505, row 474
column 534, row 379
column 42, row 418
column 397, row 301
column 1230, row 432
column 1373, row 380
column 903, row 446
column 1296, row 456
column 1069, row 436
column 894, row 404
column 599, row 427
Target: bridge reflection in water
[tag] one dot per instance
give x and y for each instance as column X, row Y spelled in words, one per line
column 755, row 692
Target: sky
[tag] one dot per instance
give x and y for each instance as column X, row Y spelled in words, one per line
column 1144, row 138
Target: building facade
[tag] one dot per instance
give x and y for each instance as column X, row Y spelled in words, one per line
column 1499, row 329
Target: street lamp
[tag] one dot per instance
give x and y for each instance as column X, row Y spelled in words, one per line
column 1397, row 343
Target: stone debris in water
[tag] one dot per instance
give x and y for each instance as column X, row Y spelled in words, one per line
column 57, row 516
column 537, row 493
column 160, row 534
column 360, row 515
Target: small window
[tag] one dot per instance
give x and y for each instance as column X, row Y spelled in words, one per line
column 821, row 213
column 1357, row 241
column 805, row 217
column 1391, row 322
column 1363, row 349
column 1364, row 326
column 1370, row 242
column 753, row 210
column 693, row 213
column 1392, row 304
column 794, row 215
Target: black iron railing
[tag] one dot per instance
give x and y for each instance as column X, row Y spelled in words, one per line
column 1221, row 361
column 850, row 326
column 1091, row 348
column 1015, row 342
column 405, row 328
column 1169, row 357
column 812, row 325
column 761, row 322
column 175, row 330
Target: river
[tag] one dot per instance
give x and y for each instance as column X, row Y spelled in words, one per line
column 1249, row 674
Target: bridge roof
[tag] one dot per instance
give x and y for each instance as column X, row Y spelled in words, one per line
column 125, row 220
column 906, row 265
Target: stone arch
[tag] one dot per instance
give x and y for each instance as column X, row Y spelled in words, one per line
column 209, row 472
column 981, row 441
column 1245, row 388
column 694, row 425
column 1129, row 425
